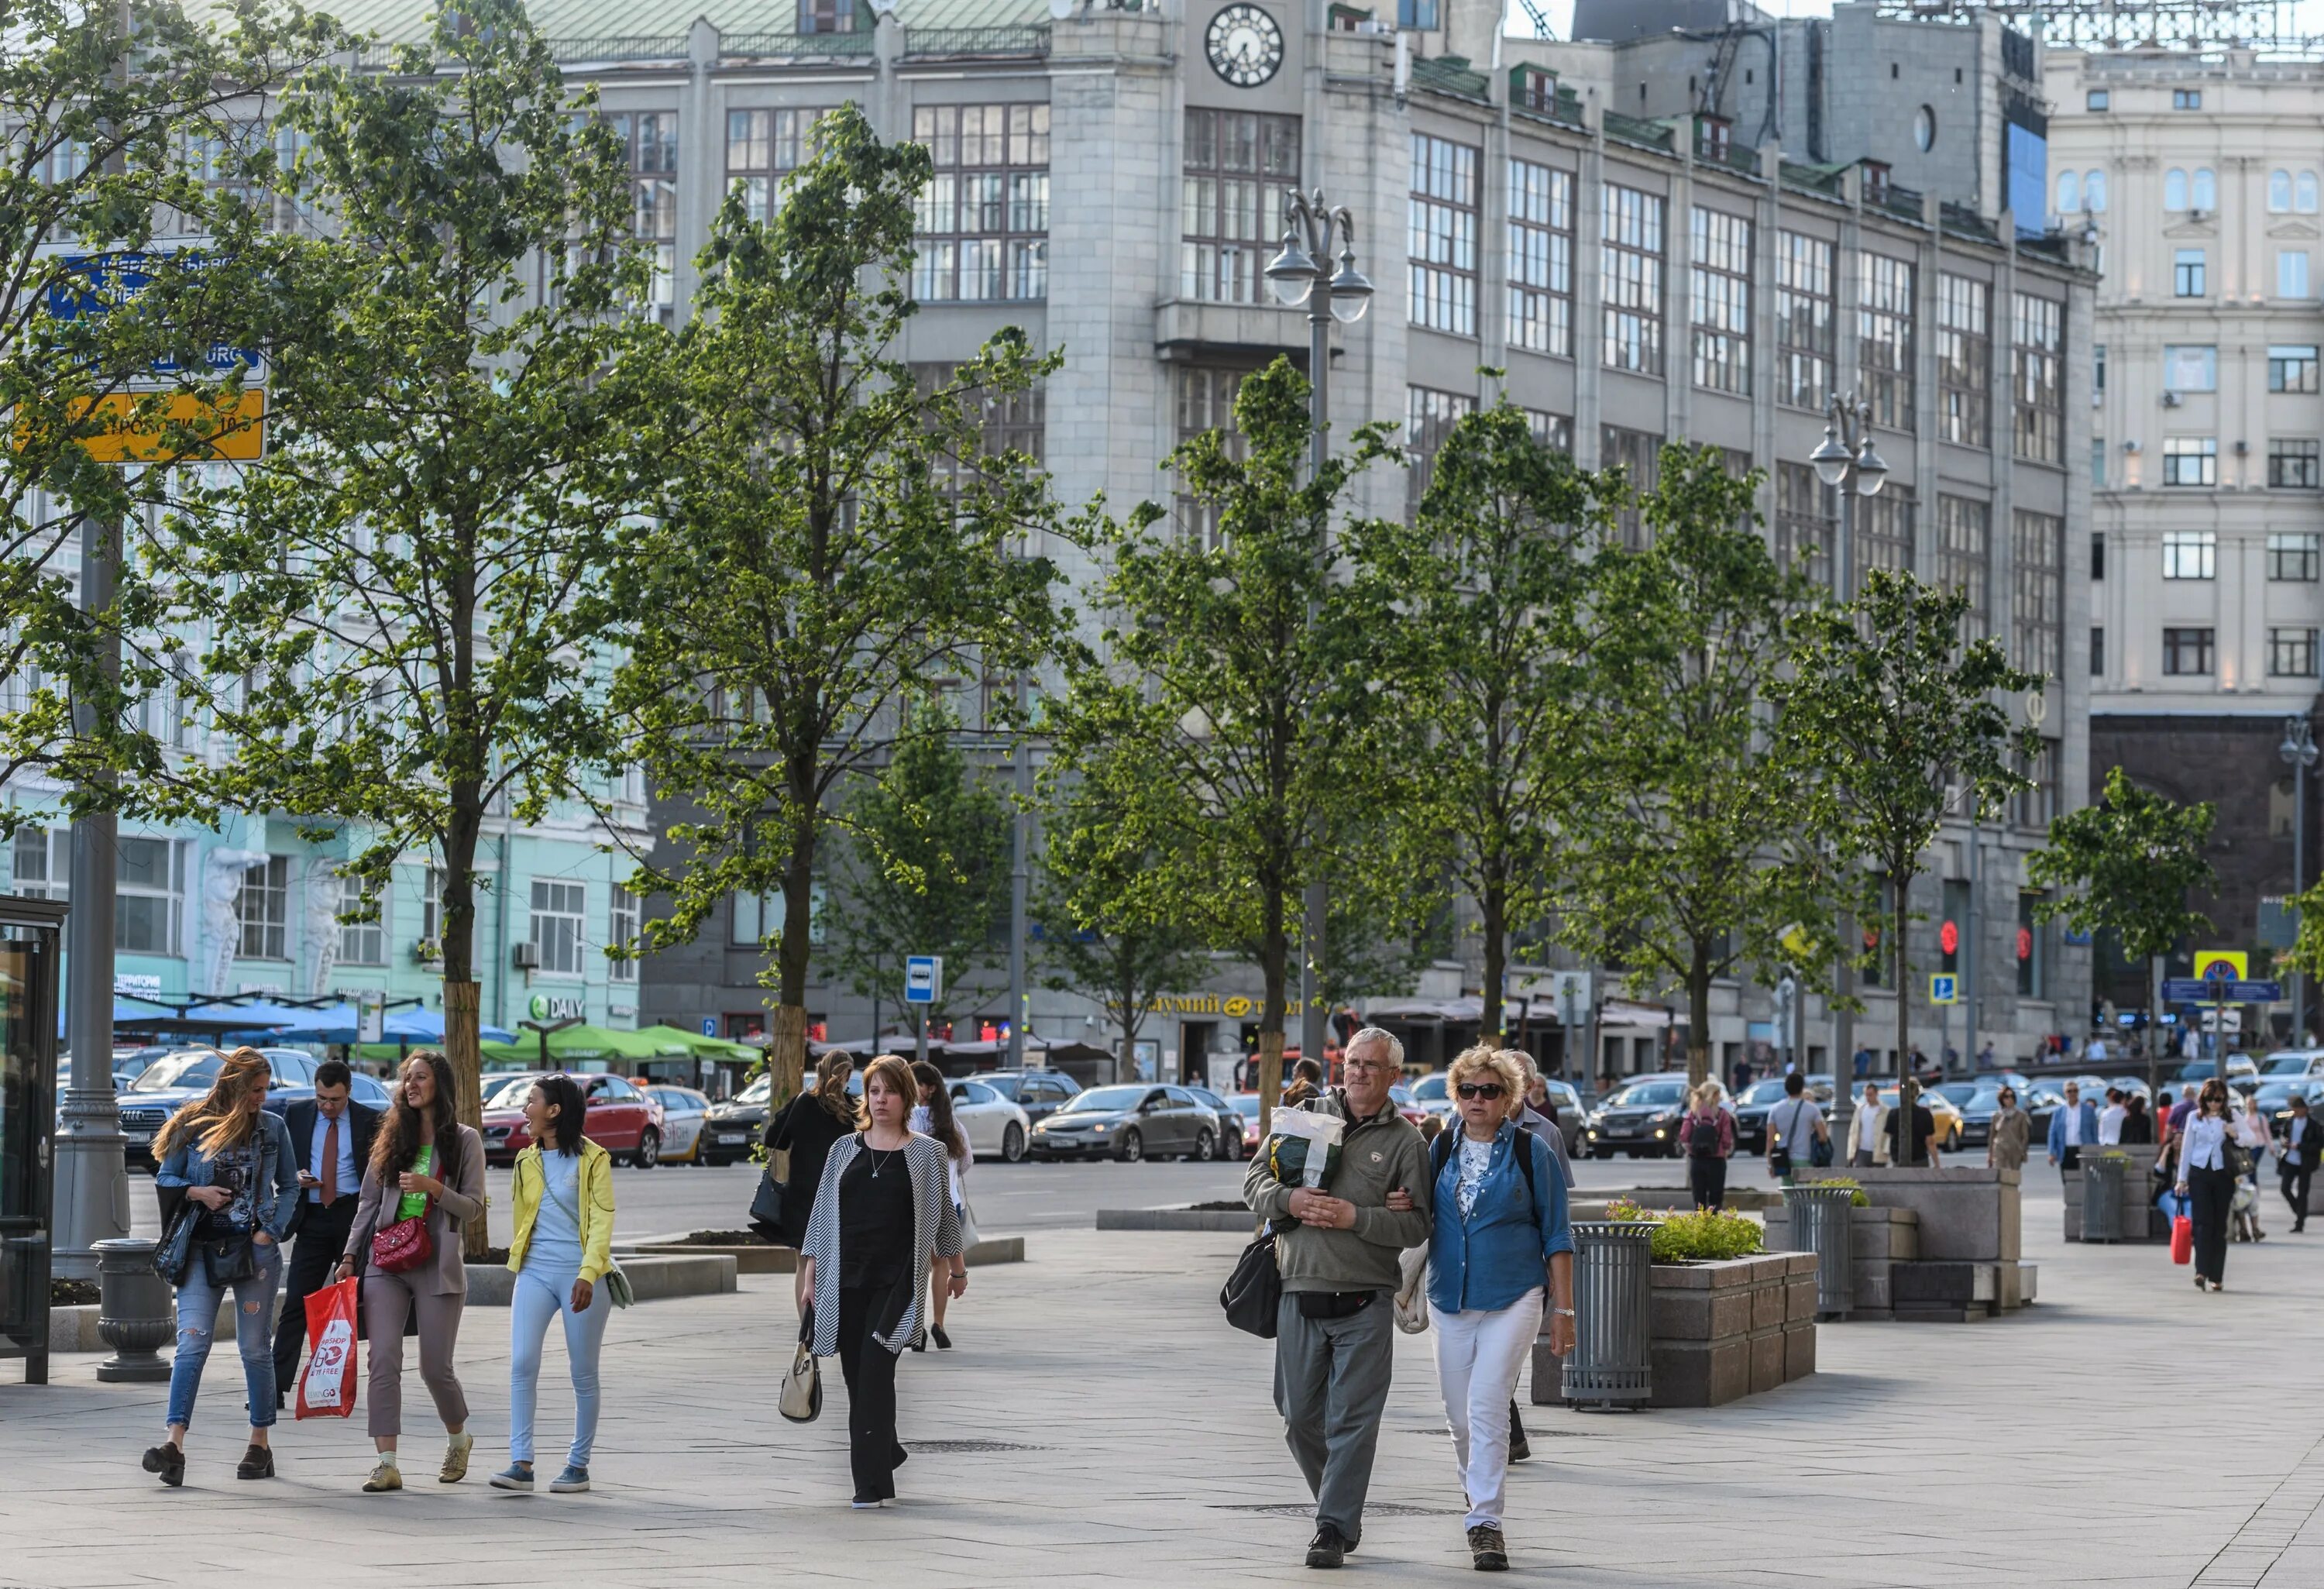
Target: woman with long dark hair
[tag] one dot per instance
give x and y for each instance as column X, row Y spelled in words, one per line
column 2206, row 1182
column 944, row 1126
column 224, row 1154
column 806, row 1128
column 882, row 1210
column 424, row 1166
column 563, row 1188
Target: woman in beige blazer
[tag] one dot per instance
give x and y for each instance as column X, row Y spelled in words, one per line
column 423, row 1161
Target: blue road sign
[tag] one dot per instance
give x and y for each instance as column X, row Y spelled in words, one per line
column 2196, row 990
column 923, row 978
column 98, row 283
column 710, row 1026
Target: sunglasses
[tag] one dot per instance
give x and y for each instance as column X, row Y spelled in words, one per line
column 1480, row 1089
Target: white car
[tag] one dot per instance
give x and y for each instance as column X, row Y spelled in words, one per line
column 996, row 1128
column 683, row 1112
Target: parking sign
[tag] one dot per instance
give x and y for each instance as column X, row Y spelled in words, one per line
column 1944, row 988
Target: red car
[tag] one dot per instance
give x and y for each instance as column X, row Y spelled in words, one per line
column 622, row 1120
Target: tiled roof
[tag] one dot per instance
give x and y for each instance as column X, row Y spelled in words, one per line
column 406, row 20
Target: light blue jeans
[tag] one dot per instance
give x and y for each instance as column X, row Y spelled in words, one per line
column 543, row 1292
column 253, row 1335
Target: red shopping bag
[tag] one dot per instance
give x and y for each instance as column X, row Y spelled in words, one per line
column 2182, row 1240
column 327, row 1387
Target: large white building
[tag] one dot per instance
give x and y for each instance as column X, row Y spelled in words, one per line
column 1110, row 179
column 2198, row 176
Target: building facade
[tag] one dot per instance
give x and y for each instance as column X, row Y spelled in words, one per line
column 1111, row 181
column 2197, row 177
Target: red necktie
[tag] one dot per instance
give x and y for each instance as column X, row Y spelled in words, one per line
column 330, row 1163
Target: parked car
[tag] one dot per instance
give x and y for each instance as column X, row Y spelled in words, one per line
column 1246, row 1108
column 2291, row 1062
column 1640, row 1120
column 1236, row 1137
column 1400, row 1095
column 2243, row 1072
column 1039, row 1092
column 187, row 1074
column 1751, row 1109
column 1980, row 1104
column 621, row 1119
column 1957, row 1097
column 732, row 1128
column 1947, row 1114
column 996, row 1127
column 1127, row 1123
column 2275, row 1095
column 1432, row 1094
column 684, row 1113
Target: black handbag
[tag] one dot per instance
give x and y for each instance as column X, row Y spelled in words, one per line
column 767, row 1208
column 1254, row 1289
column 228, row 1258
column 173, row 1253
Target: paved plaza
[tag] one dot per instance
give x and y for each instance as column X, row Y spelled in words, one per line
column 1099, row 1423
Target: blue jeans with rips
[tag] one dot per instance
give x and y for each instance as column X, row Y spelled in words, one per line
column 253, row 1335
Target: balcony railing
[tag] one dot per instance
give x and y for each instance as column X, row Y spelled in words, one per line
column 954, row 43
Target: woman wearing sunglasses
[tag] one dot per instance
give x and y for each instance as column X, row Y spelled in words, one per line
column 1499, row 1233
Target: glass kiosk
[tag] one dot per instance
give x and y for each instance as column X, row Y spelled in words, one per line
column 32, row 951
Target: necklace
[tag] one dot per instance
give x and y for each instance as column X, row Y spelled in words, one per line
column 877, row 1160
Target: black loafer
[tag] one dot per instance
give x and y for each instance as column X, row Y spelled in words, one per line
column 167, row 1461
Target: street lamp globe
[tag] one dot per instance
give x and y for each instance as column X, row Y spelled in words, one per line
column 2298, row 746
column 1292, row 272
column 1831, row 460
column 1352, row 291
column 1871, row 471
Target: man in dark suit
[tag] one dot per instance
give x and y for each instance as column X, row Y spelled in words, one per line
column 331, row 1136
column 2303, row 1137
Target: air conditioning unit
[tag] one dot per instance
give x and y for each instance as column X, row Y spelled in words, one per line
column 2199, row 215
column 527, row 957
column 2172, row 400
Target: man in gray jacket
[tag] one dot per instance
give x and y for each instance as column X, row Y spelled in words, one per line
column 1335, row 1336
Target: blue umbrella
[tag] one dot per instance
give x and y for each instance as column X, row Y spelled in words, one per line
column 423, row 1025
column 285, row 1019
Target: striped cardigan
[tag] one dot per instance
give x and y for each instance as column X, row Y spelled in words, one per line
column 935, row 1228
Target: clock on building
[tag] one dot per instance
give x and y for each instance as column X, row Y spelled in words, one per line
column 1245, row 45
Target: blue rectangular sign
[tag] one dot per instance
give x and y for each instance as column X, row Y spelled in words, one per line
column 105, row 282
column 2196, row 990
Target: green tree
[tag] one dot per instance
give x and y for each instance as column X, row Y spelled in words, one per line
column 1242, row 682
column 926, row 872
column 2127, row 865
column 409, row 594
column 835, row 544
column 1103, row 935
column 126, row 127
column 1888, row 714
column 1693, row 859
column 1498, row 586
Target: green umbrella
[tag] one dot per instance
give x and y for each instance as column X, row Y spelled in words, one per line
column 582, row 1045
column 703, row 1046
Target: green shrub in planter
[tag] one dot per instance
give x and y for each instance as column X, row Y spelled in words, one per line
column 1856, row 1194
column 1704, row 1237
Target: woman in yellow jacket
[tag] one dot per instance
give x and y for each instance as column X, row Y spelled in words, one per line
column 563, row 1246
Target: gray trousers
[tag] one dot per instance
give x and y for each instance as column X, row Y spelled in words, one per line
column 388, row 1300
column 1331, row 1385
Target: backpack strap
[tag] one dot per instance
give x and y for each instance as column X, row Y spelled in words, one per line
column 1440, row 1153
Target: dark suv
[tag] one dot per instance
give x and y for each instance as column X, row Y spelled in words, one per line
column 1039, row 1092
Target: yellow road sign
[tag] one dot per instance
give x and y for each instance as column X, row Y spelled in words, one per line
column 2238, row 964
column 225, row 432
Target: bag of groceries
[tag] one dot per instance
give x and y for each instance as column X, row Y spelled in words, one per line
column 1304, row 1149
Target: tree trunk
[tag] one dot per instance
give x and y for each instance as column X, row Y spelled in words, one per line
column 1907, row 1088
column 463, row 996
column 786, row 1038
column 1494, row 906
column 1274, row 953
column 1698, row 1015
column 2154, row 1026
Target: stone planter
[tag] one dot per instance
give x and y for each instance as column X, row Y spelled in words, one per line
column 1966, row 1233
column 2140, row 1220
column 1718, row 1331
column 1879, row 1238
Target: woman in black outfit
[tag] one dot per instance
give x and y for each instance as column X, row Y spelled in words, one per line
column 884, row 1207
column 806, row 1128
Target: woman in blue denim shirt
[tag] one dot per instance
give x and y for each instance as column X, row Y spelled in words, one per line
column 233, row 1161
column 1497, row 1234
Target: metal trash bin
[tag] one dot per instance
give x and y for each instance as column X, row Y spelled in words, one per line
column 1611, row 1365
column 1823, row 1222
column 137, row 1314
column 2102, row 1198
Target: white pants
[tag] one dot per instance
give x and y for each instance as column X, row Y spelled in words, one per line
column 1478, row 1357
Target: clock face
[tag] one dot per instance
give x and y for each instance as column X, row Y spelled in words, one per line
column 1245, row 45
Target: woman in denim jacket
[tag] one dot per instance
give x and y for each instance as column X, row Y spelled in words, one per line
column 229, row 1159
column 1497, row 1234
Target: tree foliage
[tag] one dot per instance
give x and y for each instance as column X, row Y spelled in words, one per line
column 1898, row 723
column 836, row 543
column 2127, row 865
column 925, row 871
column 1498, row 582
column 124, row 133
column 1242, row 683
column 409, row 600
column 1694, row 859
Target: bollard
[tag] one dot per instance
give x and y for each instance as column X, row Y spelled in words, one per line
column 137, row 1315
column 1611, row 1365
column 1823, row 1223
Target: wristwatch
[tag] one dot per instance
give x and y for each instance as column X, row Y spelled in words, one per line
column 1562, row 1312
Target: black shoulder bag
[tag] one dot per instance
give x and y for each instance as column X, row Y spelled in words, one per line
column 1254, row 1289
